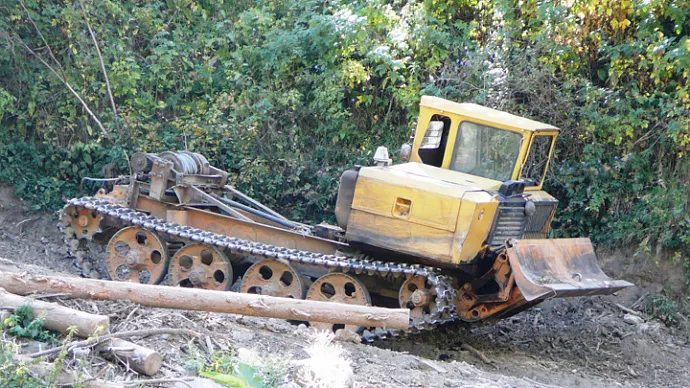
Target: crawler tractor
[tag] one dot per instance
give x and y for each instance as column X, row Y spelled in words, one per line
column 459, row 232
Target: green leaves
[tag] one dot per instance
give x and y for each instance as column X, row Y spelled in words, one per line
column 23, row 324
column 225, row 379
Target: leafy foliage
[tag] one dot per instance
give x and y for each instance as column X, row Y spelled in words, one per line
column 666, row 309
column 243, row 370
column 287, row 94
column 23, row 324
column 14, row 373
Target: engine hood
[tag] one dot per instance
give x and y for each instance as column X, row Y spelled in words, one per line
column 421, row 176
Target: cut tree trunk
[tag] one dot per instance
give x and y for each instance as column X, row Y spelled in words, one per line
column 59, row 318
column 139, row 358
column 207, row 300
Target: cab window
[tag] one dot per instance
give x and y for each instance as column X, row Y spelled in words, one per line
column 433, row 146
column 485, row 151
column 534, row 169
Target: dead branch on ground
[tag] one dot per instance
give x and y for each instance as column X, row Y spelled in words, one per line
column 479, row 354
column 135, row 383
column 208, row 300
column 628, row 310
column 125, row 334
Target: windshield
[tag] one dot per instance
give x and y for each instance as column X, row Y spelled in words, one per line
column 485, row 151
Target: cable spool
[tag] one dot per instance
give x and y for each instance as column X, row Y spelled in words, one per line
column 187, row 162
column 201, row 161
column 139, row 162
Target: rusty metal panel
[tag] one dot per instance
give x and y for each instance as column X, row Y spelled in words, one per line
column 559, row 267
column 159, row 178
column 233, row 227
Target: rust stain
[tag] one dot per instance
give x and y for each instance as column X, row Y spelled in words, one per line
column 559, row 267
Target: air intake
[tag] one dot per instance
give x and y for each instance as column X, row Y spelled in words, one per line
column 510, row 223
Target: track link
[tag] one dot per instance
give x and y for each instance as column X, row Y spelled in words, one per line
column 445, row 293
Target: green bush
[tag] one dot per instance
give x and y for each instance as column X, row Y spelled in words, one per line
column 22, row 323
column 14, row 373
column 666, row 309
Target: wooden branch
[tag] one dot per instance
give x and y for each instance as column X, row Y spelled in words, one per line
column 104, row 132
column 143, row 360
column 58, row 317
column 100, row 58
column 124, row 334
column 208, row 300
column 628, row 310
column 477, row 353
column 38, row 31
column 136, row 383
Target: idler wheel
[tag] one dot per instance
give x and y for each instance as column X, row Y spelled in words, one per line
column 419, row 296
column 136, row 255
column 338, row 288
column 273, row 278
column 201, row 266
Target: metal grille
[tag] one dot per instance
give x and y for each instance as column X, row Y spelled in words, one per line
column 542, row 215
column 510, row 223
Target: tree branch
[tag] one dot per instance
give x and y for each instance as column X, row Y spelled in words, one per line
column 100, row 58
column 124, row 334
column 104, row 132
column 50, row 50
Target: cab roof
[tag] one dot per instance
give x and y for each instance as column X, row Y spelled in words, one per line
column 483, row 113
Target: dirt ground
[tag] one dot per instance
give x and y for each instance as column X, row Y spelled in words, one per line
column 559, row 343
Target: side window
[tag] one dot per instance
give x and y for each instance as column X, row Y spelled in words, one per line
column 433, row 146
column 535, row 166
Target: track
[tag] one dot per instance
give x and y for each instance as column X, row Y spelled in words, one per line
column 536, row 348
column 362, row 266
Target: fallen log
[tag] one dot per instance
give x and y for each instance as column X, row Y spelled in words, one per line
column 208, row 300
column 59, row 318
column 143, row 360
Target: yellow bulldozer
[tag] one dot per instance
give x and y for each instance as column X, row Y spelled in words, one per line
column 459, row 232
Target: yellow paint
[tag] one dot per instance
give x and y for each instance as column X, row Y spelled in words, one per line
column 473, row 111
column 540, row 196
column 428, row 207
column 400, row 235
column 476, row 217
column 435, row 213
column 480, row 115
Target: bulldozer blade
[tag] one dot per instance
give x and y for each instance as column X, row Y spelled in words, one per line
column 559, row 268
